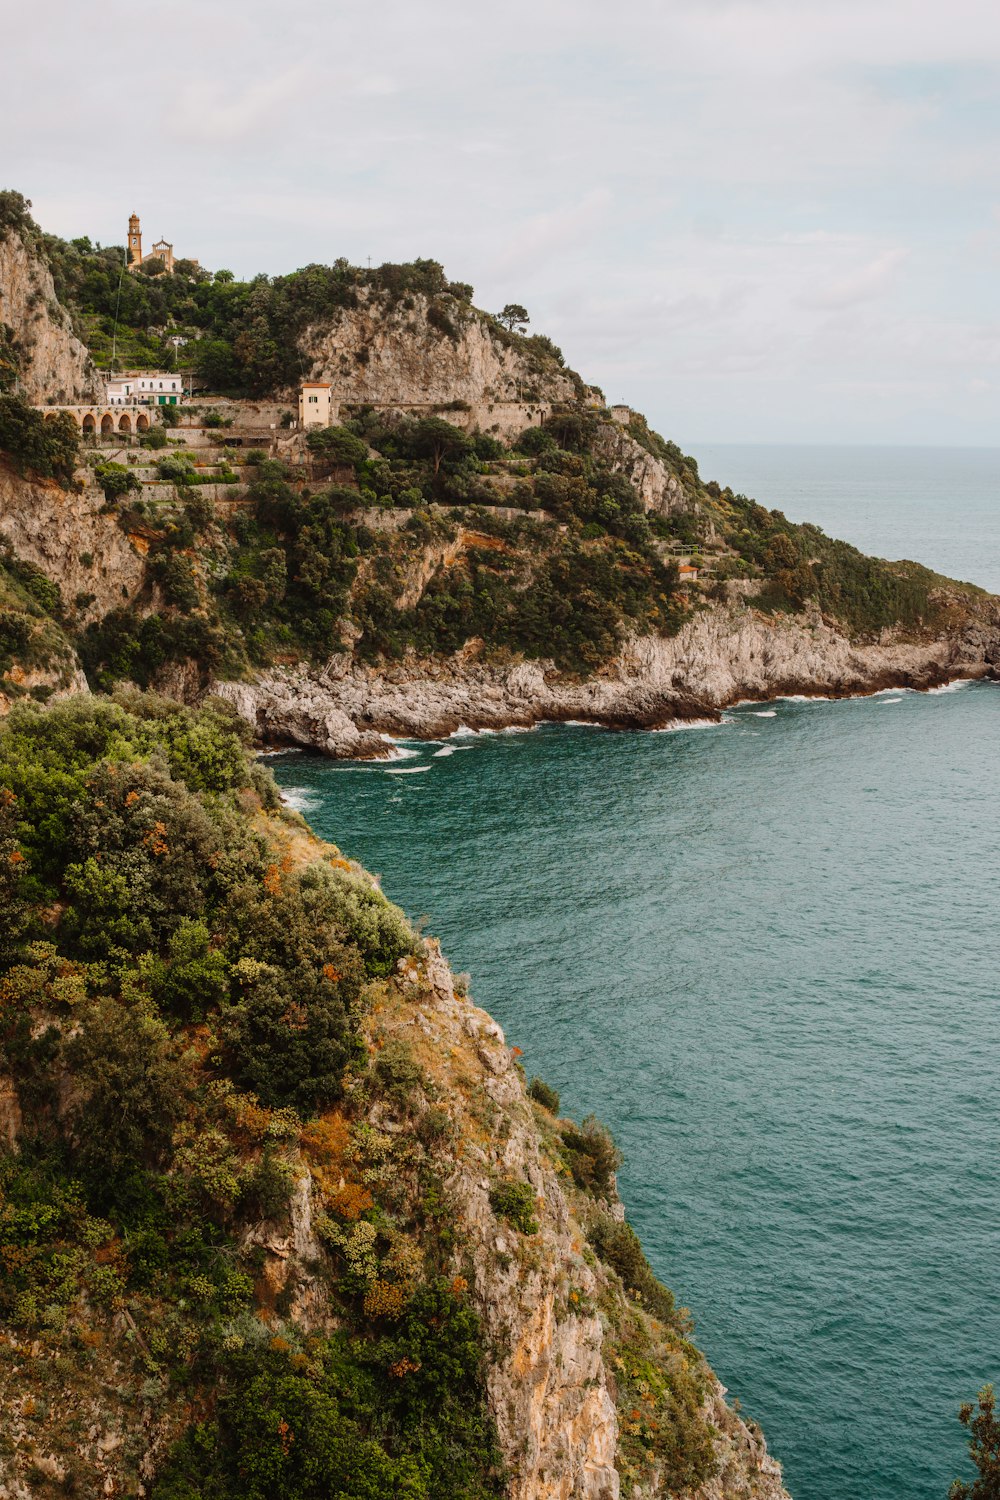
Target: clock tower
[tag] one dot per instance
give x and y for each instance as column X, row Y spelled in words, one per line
column 134, row 241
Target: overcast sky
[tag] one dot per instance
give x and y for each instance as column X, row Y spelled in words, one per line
column 773, row 220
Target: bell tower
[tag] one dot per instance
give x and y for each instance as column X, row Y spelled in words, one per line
column 134, row 241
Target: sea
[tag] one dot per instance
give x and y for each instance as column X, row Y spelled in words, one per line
column 766, row 953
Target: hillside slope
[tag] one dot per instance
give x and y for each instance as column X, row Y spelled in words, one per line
column 277, row 1215
column 476, row 539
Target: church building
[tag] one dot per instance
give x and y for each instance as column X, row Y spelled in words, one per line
column 162, row 250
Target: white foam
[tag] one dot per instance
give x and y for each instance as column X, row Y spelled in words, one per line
column 886, row 701
column 805, row 698
column 579, row 723
column 446, row 750
column 680, row 724
column 765, row 713
column 953, row 687
column 298, row 798
column 286, row 750
column 405, row 770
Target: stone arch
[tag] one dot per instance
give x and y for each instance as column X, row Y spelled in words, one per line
column 107, row 422
column 124, row 423
column 50, row 416
column 89, row 422
column 142, row 423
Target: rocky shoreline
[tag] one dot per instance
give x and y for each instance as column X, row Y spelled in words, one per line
column 722, row 657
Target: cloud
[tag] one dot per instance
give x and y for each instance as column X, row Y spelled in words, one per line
column 727, row 209
column 871, row 281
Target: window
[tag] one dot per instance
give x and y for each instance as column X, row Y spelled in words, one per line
column 314, row 399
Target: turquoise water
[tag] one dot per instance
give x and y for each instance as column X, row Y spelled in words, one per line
column 766, row 953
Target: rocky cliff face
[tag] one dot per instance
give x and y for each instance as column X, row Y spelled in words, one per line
column 399, row 356
column 723, row 655
column 69, row 535
column 54, row 367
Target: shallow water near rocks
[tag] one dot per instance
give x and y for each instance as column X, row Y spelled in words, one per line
column 766, row 953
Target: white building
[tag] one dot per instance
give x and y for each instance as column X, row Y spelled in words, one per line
column 150, row 389
column 316, row 404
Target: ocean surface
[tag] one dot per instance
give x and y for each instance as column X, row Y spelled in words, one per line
column 938, row 506
column 767, row 954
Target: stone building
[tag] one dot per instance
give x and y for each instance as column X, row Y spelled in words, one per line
column 162, row 250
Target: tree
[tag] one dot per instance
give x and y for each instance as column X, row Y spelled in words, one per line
column 436, row 439
column 338, row 444
column 984, row 1448
column 224, row 276
column 514, row 317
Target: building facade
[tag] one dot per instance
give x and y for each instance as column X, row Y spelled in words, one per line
column 152, row 388
column 316, row 404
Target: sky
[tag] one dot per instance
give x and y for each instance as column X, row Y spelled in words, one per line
column 754, row 220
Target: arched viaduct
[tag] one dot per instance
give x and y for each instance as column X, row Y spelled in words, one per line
column 96, row 421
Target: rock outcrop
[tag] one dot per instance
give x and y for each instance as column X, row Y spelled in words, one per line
column 74, row 540
column 723, row 655
column 400, row 357
column 54, row 367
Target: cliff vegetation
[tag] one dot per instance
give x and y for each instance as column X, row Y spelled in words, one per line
column 277, row 1217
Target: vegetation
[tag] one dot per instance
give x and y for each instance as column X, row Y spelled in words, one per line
column 980, row 1421
column 46, row 447
column 179, row 1004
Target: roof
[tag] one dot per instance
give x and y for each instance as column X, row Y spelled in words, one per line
column 317, row 385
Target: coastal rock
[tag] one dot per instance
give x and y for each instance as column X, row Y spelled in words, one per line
column 723, row 655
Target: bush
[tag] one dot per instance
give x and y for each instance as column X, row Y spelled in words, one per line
column 542, row 1094
column 592, row 1156
column 116, row 480
column 47, row 446
column 517, row 1203
column 337, row 444
column 618, row 1246
column 155, row 438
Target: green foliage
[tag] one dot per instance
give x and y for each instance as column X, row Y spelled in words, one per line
column 517, row 1203
column 980, row 1421
column 14, row 215
column 617, row 1243
column 338, row 444
column 44, row 445
column 116, row 480
column 155, row 438
column 802, row 564
column 591, row 1155
column 542, row 1094
column 395, row 1418
column 513, row 317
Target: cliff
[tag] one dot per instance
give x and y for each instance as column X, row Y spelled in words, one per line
column 434, row 352
column 52, row 365
column 722, row 656
column 277, row 1214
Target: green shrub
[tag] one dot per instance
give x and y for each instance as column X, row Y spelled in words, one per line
column 44, row 445
column 116, row 480
column 155, row 438
column 542, row 1094
column 592, row 1156
column 517, row 1203
column 617, row 1243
